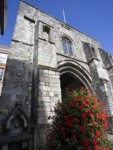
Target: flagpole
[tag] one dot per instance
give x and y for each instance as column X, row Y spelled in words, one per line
column 64, row 16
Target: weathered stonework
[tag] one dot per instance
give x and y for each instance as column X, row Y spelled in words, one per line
column 38, row 70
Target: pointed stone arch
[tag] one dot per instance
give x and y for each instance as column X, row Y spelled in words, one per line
column 16, row 117
column 74, row 71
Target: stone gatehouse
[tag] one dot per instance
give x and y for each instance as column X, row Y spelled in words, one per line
column 45, row 57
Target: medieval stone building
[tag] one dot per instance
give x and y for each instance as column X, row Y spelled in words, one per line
column 45, row 57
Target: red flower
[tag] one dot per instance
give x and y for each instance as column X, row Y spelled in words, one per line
column 73, row 136
column 86, row 96
column 88, row 111
column 81, row 89
column 88, row 148
column 100, row 102
column 69, row 124
column 88, row 92
column 86, row 142
column 85, row 104
column 102, row 148
column 81, row 108
column 94, row 99
column 95, row 124
column 52, row 135
column 97, row 132
column 94, row 107
column 82, row 143
column 76, row 120
column 84, row 121
column 103, row 111
column 95, row 143
column 91, row 114
column 84, row 115
column 78, row 97
column 73, row 116
column 76, row 100
column 87, row 100
column 64, row 135
column 71, row 103
column 105, row 126
column 67, row 89
column 66, row 117
column 103, row 117
column 77, row 107
column 82, row 129
column 71, row 93
column 88, row 127
column 62, row 128
column 98, row 116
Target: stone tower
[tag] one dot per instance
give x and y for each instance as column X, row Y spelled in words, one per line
column 46, row 56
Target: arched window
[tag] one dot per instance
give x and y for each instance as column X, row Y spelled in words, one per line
column 67, row 46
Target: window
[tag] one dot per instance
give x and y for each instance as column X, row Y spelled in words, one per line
column 67, row 46
column 46, row 32
column 111, row 58
column 93, row 52
column 1, row 73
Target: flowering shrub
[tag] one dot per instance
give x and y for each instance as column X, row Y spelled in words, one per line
column 79, row 123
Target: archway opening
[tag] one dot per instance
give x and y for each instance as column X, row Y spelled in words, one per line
column 69, row 81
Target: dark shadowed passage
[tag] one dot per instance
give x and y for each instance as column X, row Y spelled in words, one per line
column 69, row 81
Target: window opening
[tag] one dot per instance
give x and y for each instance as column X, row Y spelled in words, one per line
column 46, row 32
column 93, row 52
column 111, row 58
column 1, row 73
column 67, row 46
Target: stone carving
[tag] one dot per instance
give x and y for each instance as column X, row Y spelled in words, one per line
column 16, row 121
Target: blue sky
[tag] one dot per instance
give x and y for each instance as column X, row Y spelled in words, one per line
column 92, row 17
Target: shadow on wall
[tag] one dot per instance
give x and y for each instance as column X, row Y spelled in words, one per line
column 19, row 108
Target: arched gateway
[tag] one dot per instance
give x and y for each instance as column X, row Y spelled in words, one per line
column 73, row 75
